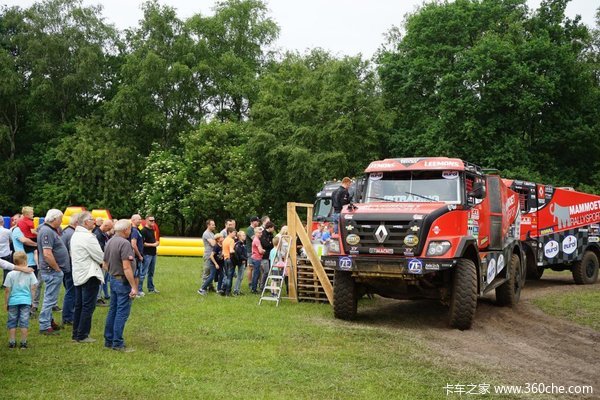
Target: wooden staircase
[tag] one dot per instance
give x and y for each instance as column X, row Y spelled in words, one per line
column 308, row 286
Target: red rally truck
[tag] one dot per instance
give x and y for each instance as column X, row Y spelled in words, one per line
column 560, row 230
column 428, row 228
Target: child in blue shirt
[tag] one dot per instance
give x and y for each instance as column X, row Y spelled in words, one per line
column 19, row 287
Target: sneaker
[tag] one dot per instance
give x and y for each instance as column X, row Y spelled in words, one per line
column 23, row 345
column 49, row 332
column 33, row 309
column 123, row 349
column 236, row 293
column 12, row 345
column 141, row 294
column 87, row 340
column 101, row 303
column 202, row 292
column 56, row 309
column 68, row 323
column 220, row 293
column 154, row 291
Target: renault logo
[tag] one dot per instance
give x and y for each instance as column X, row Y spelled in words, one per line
column 381, row 233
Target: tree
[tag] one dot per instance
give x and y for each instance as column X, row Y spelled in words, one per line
column 87, row 166
column 235, row 39
column 489, row 82
column 210, row 176
column 317, row 118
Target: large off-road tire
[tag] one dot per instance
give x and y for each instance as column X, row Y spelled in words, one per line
column 534, row 272
column 345, row 296
column 463, row 301
column 585, row 272
column 509, row 292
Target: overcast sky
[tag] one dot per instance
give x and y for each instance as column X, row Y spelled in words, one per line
column 345, row 27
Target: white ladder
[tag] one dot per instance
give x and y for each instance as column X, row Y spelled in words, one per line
column 275, row 280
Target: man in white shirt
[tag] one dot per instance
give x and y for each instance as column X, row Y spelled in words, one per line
column 86, row 260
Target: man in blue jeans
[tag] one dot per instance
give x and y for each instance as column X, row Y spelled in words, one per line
column 53, row 259
column 119, row 260
column 150, row 245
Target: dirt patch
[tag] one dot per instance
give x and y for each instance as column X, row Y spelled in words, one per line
column 518, row 346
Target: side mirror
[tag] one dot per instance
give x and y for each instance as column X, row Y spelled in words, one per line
column 478, row 191
column 358, row 191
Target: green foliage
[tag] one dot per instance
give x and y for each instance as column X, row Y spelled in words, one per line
column 316, row 118
column 88, row 166
column 212, row 176
column 491, row 83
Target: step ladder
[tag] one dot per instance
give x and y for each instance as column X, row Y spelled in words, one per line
column 277, row 272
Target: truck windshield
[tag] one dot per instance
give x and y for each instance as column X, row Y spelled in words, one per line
column 322, row 208
column 414, row 186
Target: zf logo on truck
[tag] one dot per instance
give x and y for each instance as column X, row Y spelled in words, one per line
column 415, row 266
column 346, row 263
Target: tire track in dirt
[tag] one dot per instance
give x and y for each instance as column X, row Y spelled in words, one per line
column 517, row 346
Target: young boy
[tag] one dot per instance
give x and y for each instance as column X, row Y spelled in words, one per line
column 19, row 287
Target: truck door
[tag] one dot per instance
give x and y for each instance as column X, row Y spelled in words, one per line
column 494, row 197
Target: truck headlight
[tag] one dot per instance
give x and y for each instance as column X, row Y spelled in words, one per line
column 438, row 248
column 333, row 246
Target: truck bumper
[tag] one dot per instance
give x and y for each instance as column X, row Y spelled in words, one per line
column 387, row 267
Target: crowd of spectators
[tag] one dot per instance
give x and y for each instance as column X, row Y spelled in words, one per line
column 95, row 261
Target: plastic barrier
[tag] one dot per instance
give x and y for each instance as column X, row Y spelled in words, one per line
column 37, row 221
column 6, row 222
column 180, row 246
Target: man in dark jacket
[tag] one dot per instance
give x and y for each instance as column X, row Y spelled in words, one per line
column 266, row 241
column 339, row 199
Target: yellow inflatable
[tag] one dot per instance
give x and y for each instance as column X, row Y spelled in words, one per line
column 180, row 246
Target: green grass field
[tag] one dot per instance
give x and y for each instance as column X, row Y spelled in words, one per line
column 582, row 307
column 193, row 347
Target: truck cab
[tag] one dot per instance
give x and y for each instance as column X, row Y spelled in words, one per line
column 428, row 228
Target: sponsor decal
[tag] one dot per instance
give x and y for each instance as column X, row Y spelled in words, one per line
column 561, row 214
column 451, row 207
column 450, row 174
column 409, row 160
column 594, row 239
column 375, row 176
column 432, row 266
column 582, row 230
column 381, row 233
column 541, row 191
column 411, row 240
column 380, row 250
column 483, row 240
column 417, row 216
column 491, row 271
column 45, row 240
column 415, row 266
column 411, row 199
column 525, row 220
column 353, row 250
column 348, row 216
column 500, row 264
column 436, row 229
column 409, row 252
column 473, row 228
column 349, row 227
column 353, row 240
column 330, row 262
column 367, row 226
column 474, row 214
column 509, row 203
column 345, row 263
column 382, row 165
column 551, row 249
column 442, row 164
column 569, row 244
column 414, row 228
column 546, row 231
